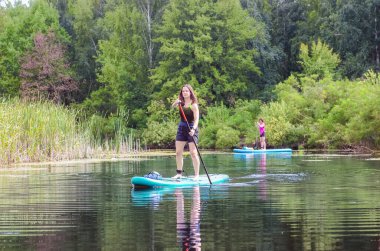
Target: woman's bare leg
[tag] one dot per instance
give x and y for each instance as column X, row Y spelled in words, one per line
column 179, row 145
column 262, row 143
column 195, row 159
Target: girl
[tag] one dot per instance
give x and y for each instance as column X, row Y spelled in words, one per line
column 189, row 103
column 261, row 126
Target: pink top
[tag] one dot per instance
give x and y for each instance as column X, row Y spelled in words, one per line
column 262, row 128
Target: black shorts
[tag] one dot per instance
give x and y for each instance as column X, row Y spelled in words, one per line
column 262, row 134
column 183, row 133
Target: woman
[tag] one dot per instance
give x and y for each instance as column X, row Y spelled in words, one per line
column 261, row 126
column 189, row 103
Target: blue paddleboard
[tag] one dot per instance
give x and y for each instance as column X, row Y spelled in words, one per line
column 139, row 181
column 251, row 150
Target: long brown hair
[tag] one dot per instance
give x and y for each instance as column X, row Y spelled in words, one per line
column 193, row 98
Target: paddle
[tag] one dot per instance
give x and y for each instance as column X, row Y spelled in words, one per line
column 188, row 126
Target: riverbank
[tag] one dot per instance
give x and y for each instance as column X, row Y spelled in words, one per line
column 143, row 155
column 137, row 156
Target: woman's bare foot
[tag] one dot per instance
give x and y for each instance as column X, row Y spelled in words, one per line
column 177, row 176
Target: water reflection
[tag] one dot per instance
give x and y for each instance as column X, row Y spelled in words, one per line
column 149, row 197
column 256, row 165
column 286, row 204
column 273, row 156
column 263, row 172
column 189, row 231
column 188, row 208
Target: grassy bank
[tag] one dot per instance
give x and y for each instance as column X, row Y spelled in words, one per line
column 42, row 131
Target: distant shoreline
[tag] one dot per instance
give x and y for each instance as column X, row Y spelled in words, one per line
column 108, row 157
column 138, row 156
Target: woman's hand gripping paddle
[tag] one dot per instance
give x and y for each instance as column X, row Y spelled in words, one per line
column 184, row 116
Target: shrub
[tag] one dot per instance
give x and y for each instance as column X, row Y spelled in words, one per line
column 207, row 136
column 226, row 137
column 160, row 134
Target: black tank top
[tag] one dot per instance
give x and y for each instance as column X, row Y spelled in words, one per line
column 188, row 113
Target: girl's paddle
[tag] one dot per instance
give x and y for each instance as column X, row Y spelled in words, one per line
column 184, row 116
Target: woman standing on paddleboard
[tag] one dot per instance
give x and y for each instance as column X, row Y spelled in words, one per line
column 189, row 104
column 261, row 126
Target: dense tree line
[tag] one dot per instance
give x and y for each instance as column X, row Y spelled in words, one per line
column 297, row 63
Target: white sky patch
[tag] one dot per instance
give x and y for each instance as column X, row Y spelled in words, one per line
column 5, row 3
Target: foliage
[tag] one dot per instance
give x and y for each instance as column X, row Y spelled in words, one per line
column 364, row 124
column 16, row 37
column 319, row 60
column 244, row 120
column 286, row 17
column 349, row 27
column 222, row 127
column 45, row 131
column 161, row 125
column 39, row 131
column 45, row 73
column 112, row 128
column 81, row 16
column 217, row 117
column 329, row 114
column 208, row 136
column 277, row 126
column 132, row 57
column 206, row 44
column 101, row 101
column 123, row 59
column 161, row 135
column 227, row 137
column 269, row 57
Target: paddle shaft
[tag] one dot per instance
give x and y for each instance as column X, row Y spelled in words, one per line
column 196, row 146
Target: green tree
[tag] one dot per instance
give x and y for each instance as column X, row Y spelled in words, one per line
column 123, row 58
column 286, row 15
column 352, row 30
column 217, row 118
column 270, row 57
column 319, row 60
column 161, row 125
column 84, row 15
column 151, row 10
column 349, row 27
column 308, row 97
column 207, row 44
column 16, row 37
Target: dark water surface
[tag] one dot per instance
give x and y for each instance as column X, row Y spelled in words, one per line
column 272, row 202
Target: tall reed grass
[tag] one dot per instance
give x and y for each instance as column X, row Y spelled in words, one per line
column 42, row 131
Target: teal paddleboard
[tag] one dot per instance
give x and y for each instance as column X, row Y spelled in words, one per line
column 251, row 150
column 139, row 181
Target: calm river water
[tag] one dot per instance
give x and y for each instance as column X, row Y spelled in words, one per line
column 272, row 202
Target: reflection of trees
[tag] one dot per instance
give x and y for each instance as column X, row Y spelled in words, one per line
column 314, row 212
column 70, row 205
column 330, row 209
column 57, row 207
column 327, row 209
column 262, row 169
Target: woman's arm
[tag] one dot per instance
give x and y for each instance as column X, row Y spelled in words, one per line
column 176, row 103
column 196, row 115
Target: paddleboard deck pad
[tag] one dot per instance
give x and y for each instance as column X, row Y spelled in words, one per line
column 251, row 150
column 141, row 182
